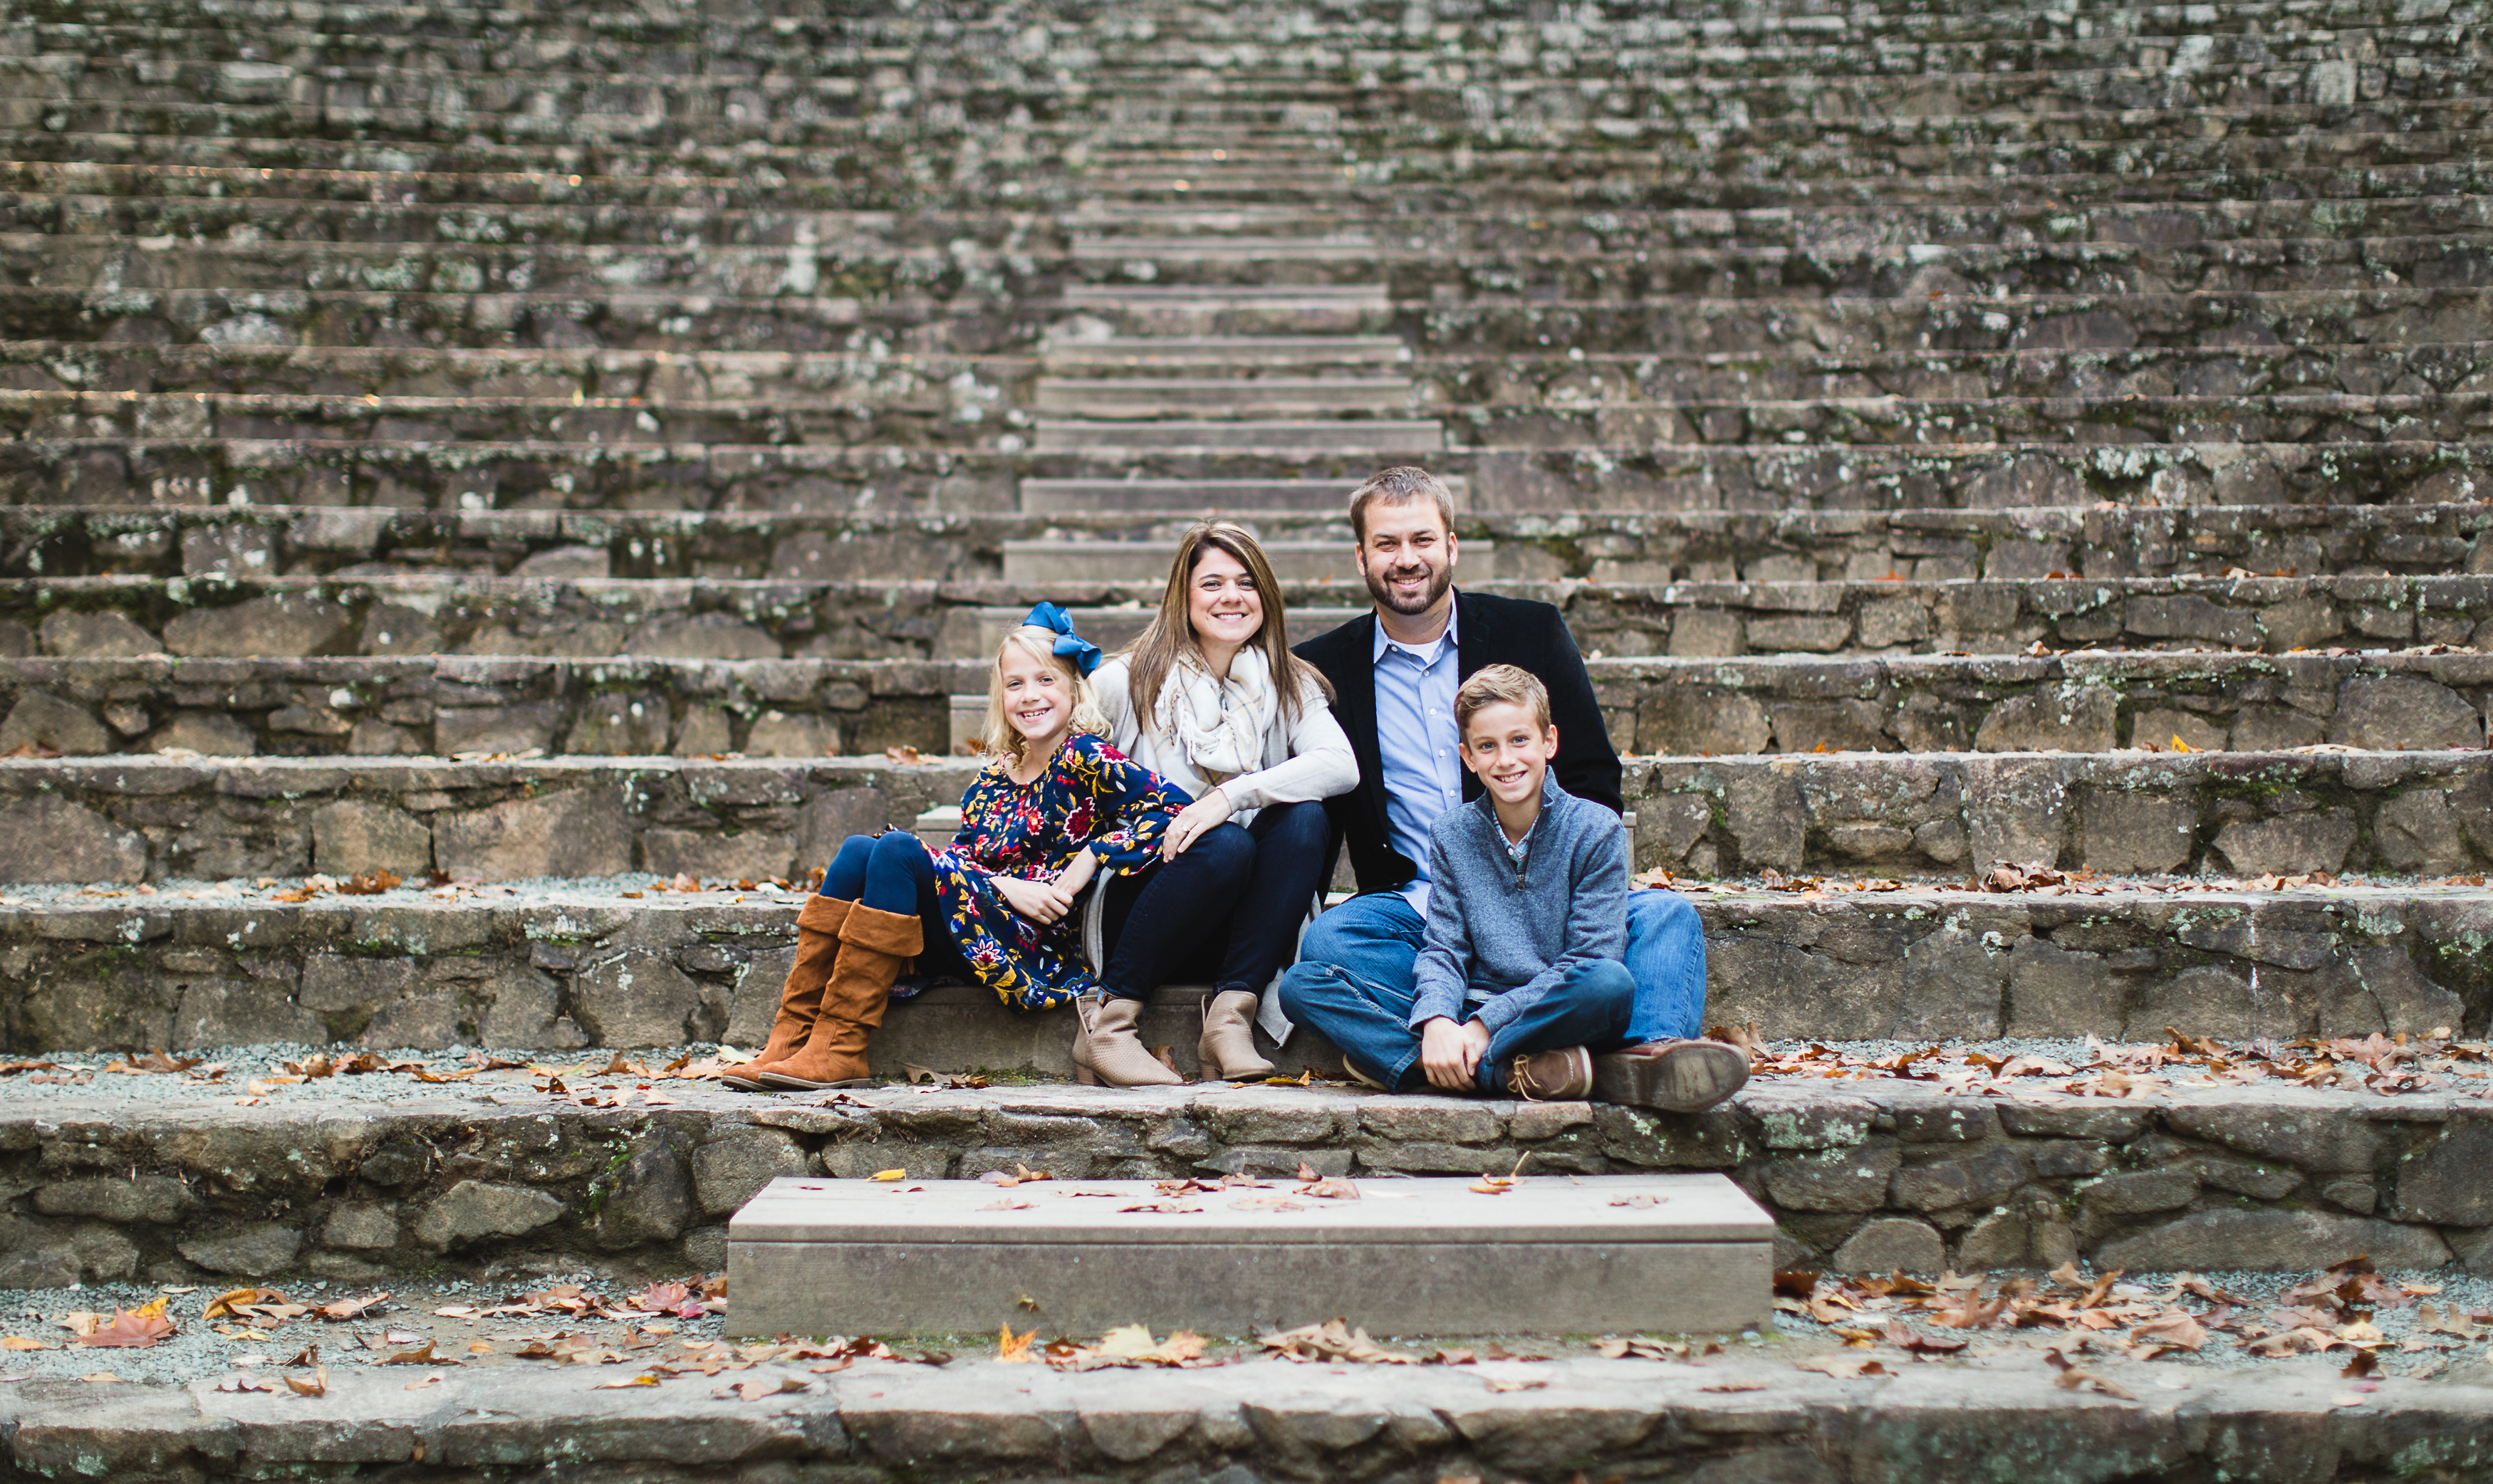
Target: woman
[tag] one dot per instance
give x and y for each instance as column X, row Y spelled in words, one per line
column 1211, row 699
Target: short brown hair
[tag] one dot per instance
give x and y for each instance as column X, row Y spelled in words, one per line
column 1495, row 684
column 1400, row 485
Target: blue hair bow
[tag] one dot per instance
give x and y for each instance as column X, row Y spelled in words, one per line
column 1084, row 653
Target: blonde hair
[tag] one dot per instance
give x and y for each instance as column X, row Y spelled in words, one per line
column 1404, row 483
column 1003, row 741
column 1170, row 637
column 1501, row 684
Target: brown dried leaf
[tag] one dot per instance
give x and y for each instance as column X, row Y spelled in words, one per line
column 314, row 1384
column 132, row 1329
column 1844, row 1367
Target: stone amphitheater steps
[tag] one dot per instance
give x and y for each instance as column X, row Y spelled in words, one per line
column 1526, row 475
column 1682, row 382
column 568, row 964
column 2326, row 808
column 728, row 619
column 1274, row 417
column 2001, row 545
column 2092, row 702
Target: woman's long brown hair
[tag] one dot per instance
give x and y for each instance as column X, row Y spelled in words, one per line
column 1171, row 636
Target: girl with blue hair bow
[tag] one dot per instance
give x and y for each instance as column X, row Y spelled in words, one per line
column 1055, row 806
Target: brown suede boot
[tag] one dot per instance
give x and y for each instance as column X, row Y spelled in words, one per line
column 875, row 946
column 1227, row 1048
column 818, row 945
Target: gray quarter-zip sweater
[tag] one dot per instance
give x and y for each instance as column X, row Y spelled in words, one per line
column 1505, row 930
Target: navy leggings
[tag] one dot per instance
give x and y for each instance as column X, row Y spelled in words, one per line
column 892, row 872
column 1165, row 921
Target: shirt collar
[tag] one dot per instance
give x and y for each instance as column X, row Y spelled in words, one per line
column 1454, row 620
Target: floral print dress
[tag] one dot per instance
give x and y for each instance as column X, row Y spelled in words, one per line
column 1090, row 797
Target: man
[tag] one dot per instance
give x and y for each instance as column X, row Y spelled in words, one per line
column 1394, row 675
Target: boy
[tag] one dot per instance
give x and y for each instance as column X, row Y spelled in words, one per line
column 1518, row 978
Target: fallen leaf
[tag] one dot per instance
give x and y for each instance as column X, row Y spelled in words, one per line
column 235, row 1300
column 104, row 1377
column 1514, row 1384
column 314, row 1384
column 890, row 1175
column 1844, row 1367
column 1737, row 1386
column 21, row 1343
column 422, row 1355
column 1333, row 1340
column 643, row 1380
column 132, row 1328
column 1014, row 1349
column 422, row 1381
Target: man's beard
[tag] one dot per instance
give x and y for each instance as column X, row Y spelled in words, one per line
column 1378, row 588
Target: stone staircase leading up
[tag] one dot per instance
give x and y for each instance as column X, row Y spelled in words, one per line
column 565, row 450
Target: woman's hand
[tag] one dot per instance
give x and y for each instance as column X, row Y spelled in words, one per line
column 1449, row 1052
column 1192, row 821
column 1042, row 901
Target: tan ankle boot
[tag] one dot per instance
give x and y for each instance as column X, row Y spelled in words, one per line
column 1227, row 1048
column 1109, row 1052
column 818, row 944
column 875, row 946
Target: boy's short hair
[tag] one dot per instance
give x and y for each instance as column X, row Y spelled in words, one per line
column 1495, row 684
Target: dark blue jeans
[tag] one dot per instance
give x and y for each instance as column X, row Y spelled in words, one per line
column 892, row 872
column 1354, row 987
column 1165, row 922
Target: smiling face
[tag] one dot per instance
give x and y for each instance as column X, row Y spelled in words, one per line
column 1037, row 697
column 1222, row 606
column 1507, row 753
column 1407, row 556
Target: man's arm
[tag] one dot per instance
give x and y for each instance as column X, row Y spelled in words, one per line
column 1588, row 768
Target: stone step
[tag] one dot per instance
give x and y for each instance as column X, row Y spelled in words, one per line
column 1544, row 376
column 1262, row 252
column 563, row 965
column 737, row 619
column 986, row 1419
column 1271, row 415
column 627, row 318
column 1255, row 500
column 2329, row 807
column 1372, row 438
column 2441, row 534
column 1692, row 1254
column 1244, row 354
column 449, row 705
column 454, row 475
column 1236, row 397
column 1235, row 311
column 1134, row 561
column 250, row 204
column 108, row 95
column 2086, row 701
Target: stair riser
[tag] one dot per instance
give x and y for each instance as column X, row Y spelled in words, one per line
column 2419, row 539
column 753, row 621
column 1964, row 1165
column 1932, row 814
column 620, row 320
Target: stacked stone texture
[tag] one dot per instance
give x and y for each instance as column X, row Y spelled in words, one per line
column 558, row 443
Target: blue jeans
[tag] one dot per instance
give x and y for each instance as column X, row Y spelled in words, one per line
column 1163, row 921
column 1354, row 986
column 1362, row 953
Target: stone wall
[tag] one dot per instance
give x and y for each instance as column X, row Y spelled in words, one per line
column 1868, row 1178
column 2001, row 545
column 734, row 619
column 572, row 966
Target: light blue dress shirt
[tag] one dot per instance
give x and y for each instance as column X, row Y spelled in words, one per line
column 1415, row 743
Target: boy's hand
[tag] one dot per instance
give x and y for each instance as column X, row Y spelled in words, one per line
column 1449, row 1052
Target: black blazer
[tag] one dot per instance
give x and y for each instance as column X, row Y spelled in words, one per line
column 1493, row 631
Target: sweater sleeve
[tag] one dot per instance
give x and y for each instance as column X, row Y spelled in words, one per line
column 1110, row 684
column 1442, row 973
column 1597, row 921
column 1320, row 764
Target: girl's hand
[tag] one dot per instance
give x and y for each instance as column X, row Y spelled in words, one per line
column 1192, row 821
column 1042, row 901
column 1078, row 874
